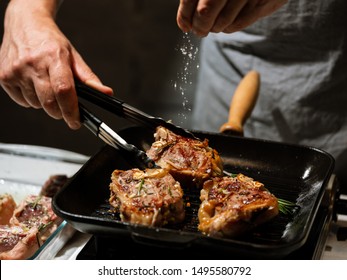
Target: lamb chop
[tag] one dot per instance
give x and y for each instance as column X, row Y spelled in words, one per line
column 32, row 222
column 36, row 212
column 7, row 206
column 233, row 205
column 17, row 243
column 188, row 160
column 53, row 184
column 150, row 197
column 24, row 228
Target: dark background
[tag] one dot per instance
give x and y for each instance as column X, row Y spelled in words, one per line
column 134, row 47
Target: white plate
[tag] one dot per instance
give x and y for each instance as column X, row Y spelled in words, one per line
column 23, row 171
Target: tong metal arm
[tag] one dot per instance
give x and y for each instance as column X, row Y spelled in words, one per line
column 109, row 136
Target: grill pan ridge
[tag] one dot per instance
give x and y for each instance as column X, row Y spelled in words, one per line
column 295, row 173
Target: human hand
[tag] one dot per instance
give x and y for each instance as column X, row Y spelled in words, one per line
column 205, row 16
column 38, row 64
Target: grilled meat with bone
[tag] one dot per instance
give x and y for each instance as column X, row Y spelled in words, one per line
column 188, row 160
column 151, row 197
column 233, row 205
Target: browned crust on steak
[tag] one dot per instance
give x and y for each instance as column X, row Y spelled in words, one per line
column 233, row 205
column 188, row 160
column 150, row 197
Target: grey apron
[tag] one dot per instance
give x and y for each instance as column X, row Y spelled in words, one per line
column 301, row 54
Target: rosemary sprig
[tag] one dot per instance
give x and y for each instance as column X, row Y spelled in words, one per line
column 39, row 231
column 43, row 226
column 286, row 207
column 34, row 204
column 140, row 186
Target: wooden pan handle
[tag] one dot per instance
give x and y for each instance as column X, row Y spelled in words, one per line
column 242, row 103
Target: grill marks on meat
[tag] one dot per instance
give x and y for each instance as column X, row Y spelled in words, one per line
column 229, row 206
column 233, row 205
column 151, row 197
column 188, row 160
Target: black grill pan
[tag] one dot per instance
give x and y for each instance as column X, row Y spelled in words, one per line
column 295, row 173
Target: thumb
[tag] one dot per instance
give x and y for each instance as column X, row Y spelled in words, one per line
column 83, row 72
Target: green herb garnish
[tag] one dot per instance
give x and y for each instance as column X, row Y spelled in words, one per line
column 35, row 202
column 286, row 207
column 140, row 186
column 43, row 226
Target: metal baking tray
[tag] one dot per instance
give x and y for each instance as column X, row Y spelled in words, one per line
column 295, row 173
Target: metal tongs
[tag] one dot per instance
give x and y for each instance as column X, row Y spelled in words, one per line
column 110, row 137
column 126, row 111
column 120, row 108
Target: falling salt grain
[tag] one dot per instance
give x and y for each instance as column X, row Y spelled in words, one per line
column 189, row 52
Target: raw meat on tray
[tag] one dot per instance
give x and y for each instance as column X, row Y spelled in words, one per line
column 17, row 243
column 32, row 222
column 7, row 206
column 25, row 227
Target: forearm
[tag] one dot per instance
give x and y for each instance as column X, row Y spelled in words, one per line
column 47, row 8
column 25, row 21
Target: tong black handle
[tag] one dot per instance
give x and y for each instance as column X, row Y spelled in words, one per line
column 124, row 110
column 114, row 105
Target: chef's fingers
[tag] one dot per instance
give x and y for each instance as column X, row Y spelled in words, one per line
column 185, row 13
column 29, row 93
column 63, row 89
column 19, row 89
column 47, row 98
column 83, row 72
column 207, row 11
column 228, row 15
column 253, row 11
column 15, row 93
